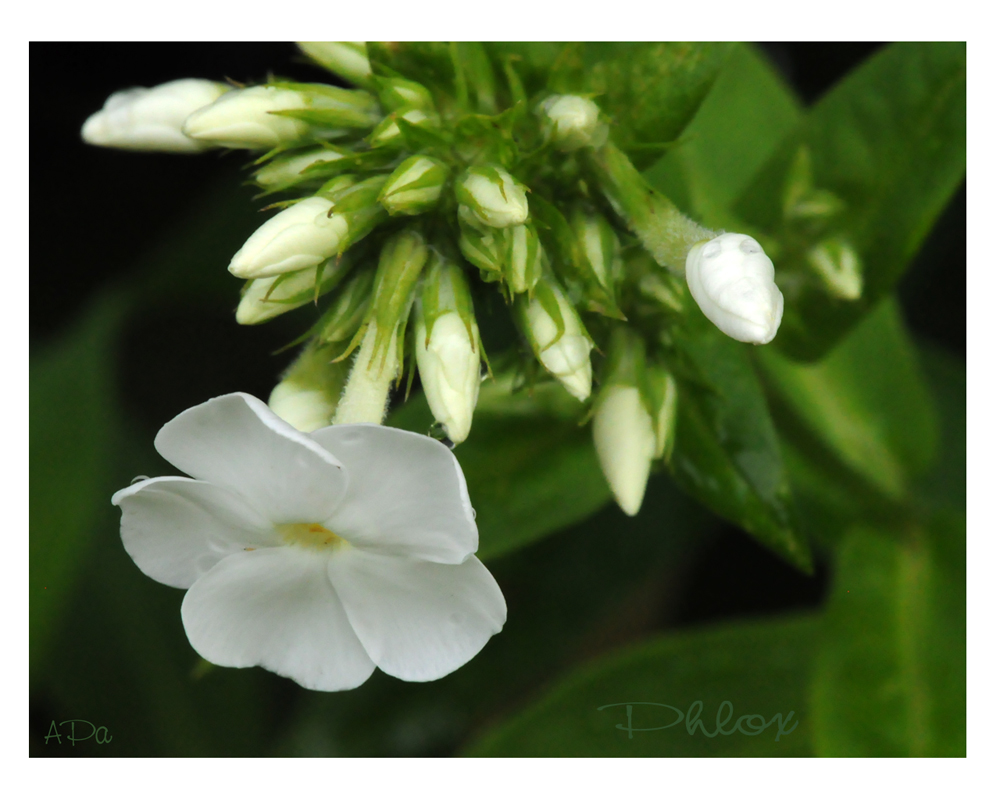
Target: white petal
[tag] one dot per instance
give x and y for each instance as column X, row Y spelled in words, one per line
column 177, row 529
column 238, row 442
column 407, row 496
column 276, row 609
column 418, row 621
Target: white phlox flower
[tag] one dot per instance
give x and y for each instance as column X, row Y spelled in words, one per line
column 152, row 119
column 316, row 556
column 732, row 280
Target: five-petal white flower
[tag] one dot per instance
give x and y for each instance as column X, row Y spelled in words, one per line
column 317, row 556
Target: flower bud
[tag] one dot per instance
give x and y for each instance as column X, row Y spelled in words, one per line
column 525, row 258
column 343, row 318
column 311, row 231
column 151, row 119
column 397, row 93
column 263, row 117
column 492, row 196
column 557, row 336
column 625, row 441
column 414, row 187
column 285, row 171
column 306, row 398
column 573, row 122
column 266, row 298
column 302, row 236
column 349, row 60
column 482, row 246
column 601, row 262
column 400, row 263
column 662, row 395
column 447, row 348
column 387, row 131
column 732, row 280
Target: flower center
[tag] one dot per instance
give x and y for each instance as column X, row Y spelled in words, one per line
column 310, row 534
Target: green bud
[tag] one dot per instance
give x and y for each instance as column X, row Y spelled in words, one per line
column 414, row 186
column 492, row 196
column 387, row 133
column 343, row 318
column 307, row 395
column 398, row 93
column 661, row 397
column 400, row 264
column 525, row 258
column 482, row 246
column 600, row 263
column 839, row 267
column 349, row 60
column 266, row 298
column 557, row 336
column 286, row 170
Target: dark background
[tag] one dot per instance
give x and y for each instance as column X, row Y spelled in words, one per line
column 111, row 207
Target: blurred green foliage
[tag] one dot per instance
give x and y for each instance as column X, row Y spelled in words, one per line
column 854, row 460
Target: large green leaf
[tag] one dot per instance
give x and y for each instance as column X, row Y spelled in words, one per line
column 890, row 675
column 529, row 473
column 758, row 668
column 726, row 451
column 72, row 427
column 650, row 89
column 744, row 118
column 862, row 180
column 866, row 404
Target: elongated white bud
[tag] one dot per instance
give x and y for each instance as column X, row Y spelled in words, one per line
column 732, row 280
column 625, row 440
column 573, row 121
column 152, row 119
column 492, row 196
column 448, row 360
column 557, row 336
column 414, row 186
column 307, row 395
column 347, row 59
column 287, row 170
column 301, row 236
column 243, row 118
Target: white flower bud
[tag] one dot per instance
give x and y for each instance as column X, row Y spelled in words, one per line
column 151, row 119
column 414, row 187
column 243, row 118
column 347, row 59
column 286, row 170
column 387, row 131
column 625, row 441
column 307, row 395
column 565, row 353
column 573, row 121
column 732, row 280
column 263, row 300
column 301, row 236
column 493, row 197
column 448, row 360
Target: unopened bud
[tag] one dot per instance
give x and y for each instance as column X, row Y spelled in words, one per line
column 625, row 441
column 482, row 246
column 349, row 60
column 525, row 258
column 662, row 396
column 263, row 117
column 397, row 93
column 447, row 348
column 152, row 119
column 343, row 318
column 557, row 336
column 492, row 196
column 307, row 395
column 266, row 298
column 415, row 186
column 600, row 253
column 400, row 263
column 387, row 132
column 573, row 122
column 732, row 280
column 287, row 170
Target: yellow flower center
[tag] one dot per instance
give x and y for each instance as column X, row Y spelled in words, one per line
column 310, row 534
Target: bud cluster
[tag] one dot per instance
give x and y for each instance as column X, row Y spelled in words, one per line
column 403, row 190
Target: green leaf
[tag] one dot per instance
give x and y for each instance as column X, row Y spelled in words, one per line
column 72, row 421
column 866, row 404
column 529, row 474
column 743, row 119
column 650, row 89
column 870, row 169
column 890, row 675
column 726, row 451
column 759, row 668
